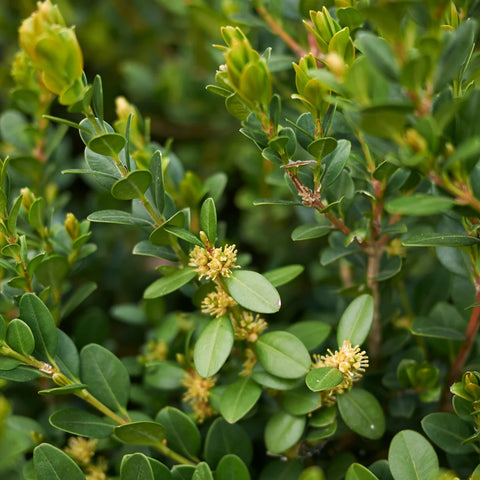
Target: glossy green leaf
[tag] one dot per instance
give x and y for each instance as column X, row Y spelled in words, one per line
column 362, row 413
column 52, row 270
column 182, row 472
column 283, row 431
column 165, row 285
column 227, row 438
column 134, row 185
column 282, row 354
column 231, row 467
column 160, row 236
column 213, row 346
column 377, row 50
column 321, row 147
column 282, row 275
column 20, row 337
column 202, row 472
column 300, row 401
column 312, row 333
column 164, row 375
column 181, row 432
column 309, row 231
column 429, row 327
column 136, row 467
column 359, row 472
column 110, row 144
column 141, row 433
column 323, row 378
column 440, row 240
column 323, row 417
column 253, row 291
column 118, row 217
column 105, row 375
column 36, row 213
column 52, row 463
column 262, row 377
column 419, row 204
column 20, row 374
column 158, row 186
column 448, row 432
column 239, row 398
column 312, row 473
column 147, row 249
column 184, row 234
column 81, row 422
column 65, row 390
column 336, row 162
column 411, row 456
column 356, row 321
column 37, row 316
column 97, row 97
column 208, row 219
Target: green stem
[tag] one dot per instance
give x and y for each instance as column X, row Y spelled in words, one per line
column 174, row 455
column 94, row 402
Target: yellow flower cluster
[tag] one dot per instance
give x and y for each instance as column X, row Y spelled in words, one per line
column 154, row 350
column 213, row 262
column 82, row 451
column 250, row 327
column 350, row 361
column 198, row 391
column 249, row 363
column 217, row 303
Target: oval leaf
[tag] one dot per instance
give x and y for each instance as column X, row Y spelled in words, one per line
column 419, row 204
column 50, row 462
column 110, row 144
column 208, row 219
column 356, row 321
column 309, row 231
column 361, row 412
column 165, row 285
column 106, row 376
column 283, row 354
column 141, row 433
column 411, row 457
column 213, row 346
column 323, row 378
column 134, row 185
column 283, row 275
column 359, row 472
column 238, row 399
column 253, row 291
column 231, row 467
column 136, row 467
column 118, row 217
column 80, row 422
column 20, row 337
column 283, row 431
column 440, row 240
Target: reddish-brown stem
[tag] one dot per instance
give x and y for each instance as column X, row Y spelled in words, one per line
column 278, row 30
column 470, row 334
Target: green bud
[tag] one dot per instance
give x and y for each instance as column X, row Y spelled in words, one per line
column 324, row 27
column 72, row 226
column 54, row 51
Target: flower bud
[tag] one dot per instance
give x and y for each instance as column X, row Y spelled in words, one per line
column 54, row 51
column 27, row 198
column 72, row 226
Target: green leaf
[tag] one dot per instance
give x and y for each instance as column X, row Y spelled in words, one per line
column 165, row 285
column 322, row 147
column 213, row 346
column 359, row 472
column 300, row 401
column 20, row 337
column 147, row 249
column 336, row 162
column 184, row 234
column 160, row 236
column 38, row 317
column 411, row 456
column 80, row 422
column 271, row 381
column 158, row 186
column 202, row 472
column 323, row 378
column 118, row 217
column 283, row 431
column 110, row 144
column 361, row 412
column 52, row 270
column 440, row 240
column 456, row 54
column 52, row 464
column 356, row 321
column 231, row 467
column 106, row 376
column 65, row 390
column 283, row 354
column 281, row 276
column 323, row 417
column 448, row 432
column 430, row 327
column 97, row 97
column 36, row 213
column 239, row 398
column 164, row 375
column 309, row 231
column 182, row 472
column 225, row 438
column 419, row 204
column 181, row 432
column 377, row 50
column 134, row 185
column 78, row 296
column 141, row 433
column 136, row 467
column 208, row 219
column 312, row 333
column 253, row 291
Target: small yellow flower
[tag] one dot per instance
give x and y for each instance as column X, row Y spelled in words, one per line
column 154, row 350
column 81, row 449
column 97, row 471
column 250, row 327
column 198, row 391
column 350, row 361
column 249, row 363
column 213, row 262
column 217, row 303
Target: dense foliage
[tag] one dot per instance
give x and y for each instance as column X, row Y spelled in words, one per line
column 180, row 301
